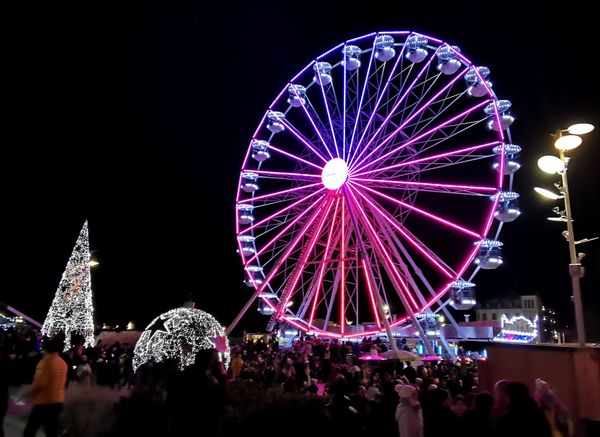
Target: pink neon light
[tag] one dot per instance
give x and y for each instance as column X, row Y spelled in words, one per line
column 302, row 262
column 371, row 295
column 415, row 139
column 425, row 68
column 431, row 158
column 284, row 173
column 278, row 193
column 297, row 158
column 322, row 268
column 342, row 282
column 285, row 229
column 263, row 221
column 301, row 138
column 420, row 211
column 406, row 235
column 385, row 252
column 430, row 184
column 289, row 250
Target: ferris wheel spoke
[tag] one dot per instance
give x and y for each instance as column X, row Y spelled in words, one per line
column 290, row 248
column 286, row 175
column 303, row 139
column 434, row 187
column 381, row 95
column 361, row 164
column 290, row 286
column 291, row 155
column 392, row 111
column 362, row 96
column 426, row 105
column 423, row 212
column 459, row 153
column 281, row 211
column 408, row 236
column 280, row 193
column 311, row 120
column 384, row 254
column 371, row 293
column 323, row 265
column 319, row 201
column 333, row 136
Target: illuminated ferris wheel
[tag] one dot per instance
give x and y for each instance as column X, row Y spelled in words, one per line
column 369, row 189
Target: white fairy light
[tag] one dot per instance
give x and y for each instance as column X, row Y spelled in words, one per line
column 72, row 310
column 180, row 333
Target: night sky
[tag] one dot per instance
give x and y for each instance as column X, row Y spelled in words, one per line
column 136, row 116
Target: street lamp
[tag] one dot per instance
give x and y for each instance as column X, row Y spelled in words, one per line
column 559, row 165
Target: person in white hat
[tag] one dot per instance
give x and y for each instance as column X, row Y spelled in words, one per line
column 408, row 412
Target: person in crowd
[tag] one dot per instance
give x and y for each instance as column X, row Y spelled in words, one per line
column 478, row 420
column 555, row 412
column 523, row 417
column 48, row 390
column 437, row 414
column 408, row 413
column 501, row 401
column 4, row 382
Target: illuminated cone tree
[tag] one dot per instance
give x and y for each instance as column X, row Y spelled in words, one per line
column 71, row 311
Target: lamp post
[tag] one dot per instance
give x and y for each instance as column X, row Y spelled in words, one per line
column 553, row 165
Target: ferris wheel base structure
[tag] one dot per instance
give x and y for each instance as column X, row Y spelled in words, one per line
column 376, row 183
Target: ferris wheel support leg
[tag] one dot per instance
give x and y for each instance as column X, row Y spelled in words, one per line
column 242, row 312
column 395, row 283
column 447, row 346
column 383, row 318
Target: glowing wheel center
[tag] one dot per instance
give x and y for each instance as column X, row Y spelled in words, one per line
column 335, row 173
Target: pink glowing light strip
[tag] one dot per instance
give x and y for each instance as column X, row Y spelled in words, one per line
column 283, row 173
column 420, row 211
column 302, row 262
column 392, row 112
column 284, row 230
column 383, row 249
column 322, row 269
column 279, row 193
column 342, row 282
column 430, row 184
column 297, row 158
column 301, row 138
column 288, row 251
column 281, row 211
column 361, row 164
column 408, row 237
column 371, row 295
column 430, row 158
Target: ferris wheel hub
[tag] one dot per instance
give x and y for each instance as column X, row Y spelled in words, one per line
column 335, row 173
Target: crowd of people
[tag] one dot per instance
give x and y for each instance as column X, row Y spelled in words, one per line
column 313, row 387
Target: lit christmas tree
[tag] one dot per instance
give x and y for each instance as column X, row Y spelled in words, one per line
column 72, row 310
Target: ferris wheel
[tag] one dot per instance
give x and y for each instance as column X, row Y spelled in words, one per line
column 369, row 189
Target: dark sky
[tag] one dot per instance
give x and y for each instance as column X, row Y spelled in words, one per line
column 136, row 115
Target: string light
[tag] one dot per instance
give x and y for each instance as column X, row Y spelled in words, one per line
column 515, row 336
column 180, row 333
column 72, row 310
